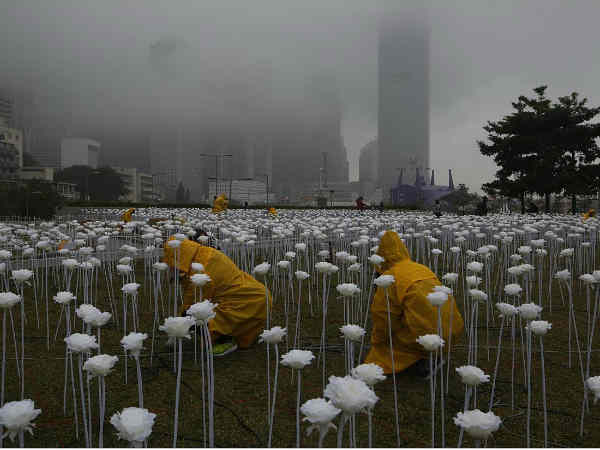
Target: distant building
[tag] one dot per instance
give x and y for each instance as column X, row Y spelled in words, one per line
column 367, row 168
column 13, row 138
column 6, row 111
column 403, row 113
column 240, row 191
column 79, row 152
column 423, row 191
column 9, row 161
column 141, row 185
column 37, row 173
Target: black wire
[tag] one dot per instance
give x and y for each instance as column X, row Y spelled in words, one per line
column 259, row 441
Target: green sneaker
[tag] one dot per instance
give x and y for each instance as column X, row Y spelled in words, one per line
column 224, row 349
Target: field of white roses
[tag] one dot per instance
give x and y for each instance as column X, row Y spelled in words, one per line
column 94, row 355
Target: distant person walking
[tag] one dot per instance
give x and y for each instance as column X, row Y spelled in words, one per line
column 482, row 209
column 532, row 209
column 360, row 204
column 437, row 209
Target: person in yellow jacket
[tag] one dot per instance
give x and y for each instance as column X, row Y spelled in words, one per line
column 126, row 217
column 412, row 315
column 221, row 204
column 591, row 213
column 241, row 313
column 272, row 211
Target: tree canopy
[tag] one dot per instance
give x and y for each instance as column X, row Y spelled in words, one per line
column 460, row 198
column 103, row 184
column 544, row 147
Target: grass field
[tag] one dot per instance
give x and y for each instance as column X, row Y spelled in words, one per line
column 240, row 388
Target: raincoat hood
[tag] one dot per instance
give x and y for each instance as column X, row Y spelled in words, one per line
column 186, row 253
column 392, row 249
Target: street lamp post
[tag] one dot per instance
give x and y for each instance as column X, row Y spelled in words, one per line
column 217, row 168
column 266, row 175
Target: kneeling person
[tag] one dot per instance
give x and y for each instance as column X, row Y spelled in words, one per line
column 241, row 311
column 412, row 314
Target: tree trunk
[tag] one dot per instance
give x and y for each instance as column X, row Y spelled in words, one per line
column 523, row 203
column 548, row 203
column 574, row 204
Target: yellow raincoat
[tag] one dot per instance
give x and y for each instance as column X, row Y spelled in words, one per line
column 273, row 211
column 126, row 217
column 221, row 203
column 590, row 213
column 412, row 315
column 241, row 310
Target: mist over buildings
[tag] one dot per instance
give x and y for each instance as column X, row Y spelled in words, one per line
column 155, row 81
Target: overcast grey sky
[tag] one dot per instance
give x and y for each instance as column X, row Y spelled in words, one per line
column 484, row 53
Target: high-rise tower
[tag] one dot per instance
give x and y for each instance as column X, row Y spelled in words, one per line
column 403, row 115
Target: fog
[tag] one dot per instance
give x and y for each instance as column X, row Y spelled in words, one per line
column 239, row 63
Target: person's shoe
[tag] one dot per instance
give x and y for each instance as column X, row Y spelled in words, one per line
column 224, row 349
column 421, row 368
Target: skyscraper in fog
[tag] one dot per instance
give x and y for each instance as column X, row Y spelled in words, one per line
column 403, row 114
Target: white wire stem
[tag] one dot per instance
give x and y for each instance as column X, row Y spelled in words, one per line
column 367, row 310
column 102, row 406
column 211, row 387
column 22, row 341
column 297, row 340
column 203, row 344
column 177, row 392
column 441, row 355
column 83, row 407
column 274, row 395
column 298, row 398
column 498, row 350
column 465, row 409
column 340, row 435
column 139, row 380
column 370, row 420
column 544, row 393
column 587, row 372
column 432, row 395
column 449, row 346
column 387, row 300
column 528, row 335
column 3, row 370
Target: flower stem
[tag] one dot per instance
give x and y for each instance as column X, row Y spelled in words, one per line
column 177, row 390
column 274, row 394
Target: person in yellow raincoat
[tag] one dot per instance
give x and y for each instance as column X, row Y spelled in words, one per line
column 591, row 213
column 272, row 211
column 126, row 217
column 221, row 204
column 412, row 315
column 241, row 313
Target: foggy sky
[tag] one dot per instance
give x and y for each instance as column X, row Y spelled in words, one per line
column 90, row 57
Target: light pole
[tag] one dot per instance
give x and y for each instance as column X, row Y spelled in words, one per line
column 216, row 167
column 266, row 175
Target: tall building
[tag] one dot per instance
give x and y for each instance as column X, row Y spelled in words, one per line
column 403, row 114
column 5, row 111
column 367, row 168
column 79, row 152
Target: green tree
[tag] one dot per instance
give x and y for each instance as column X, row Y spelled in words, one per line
column 577, row 138
column 460, row 198
column 531, row 148
column 104, row 183
column 33, row 198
